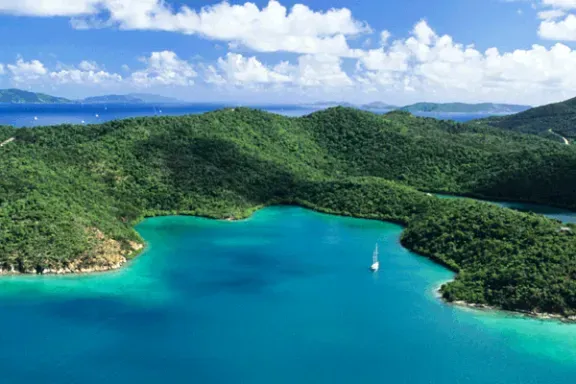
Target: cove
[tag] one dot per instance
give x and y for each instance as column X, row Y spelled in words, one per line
column 282, row 297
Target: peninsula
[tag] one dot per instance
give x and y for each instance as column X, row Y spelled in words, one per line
column 70, row 195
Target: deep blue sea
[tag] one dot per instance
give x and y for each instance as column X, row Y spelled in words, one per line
column 282, row 297
column 31, row 115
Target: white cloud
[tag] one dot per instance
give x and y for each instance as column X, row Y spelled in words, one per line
column 49, row 8
column 384, row 37
column 423, row 65
column 557, row 21
column 321, row 71
column 84, row 77
column 34, row 71
column 26, row 71
column 551, row 14
column 270, row 29
column 437, row 67
column 567, row 4
column 1, row 69
column 311, row 71
column 236, row 69
column 164, row 68
column 88, row 66
column 563, row 30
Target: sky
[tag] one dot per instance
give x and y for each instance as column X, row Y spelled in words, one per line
column 280, row 51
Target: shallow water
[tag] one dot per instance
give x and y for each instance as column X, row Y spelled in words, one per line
column 283, row 297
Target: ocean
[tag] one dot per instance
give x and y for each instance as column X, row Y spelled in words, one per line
column 282, row 297
column 32, row 115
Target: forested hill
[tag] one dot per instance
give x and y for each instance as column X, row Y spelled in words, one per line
column 70, row 195
column 559, row 118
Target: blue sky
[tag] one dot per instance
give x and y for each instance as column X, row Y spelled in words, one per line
column 293, row 51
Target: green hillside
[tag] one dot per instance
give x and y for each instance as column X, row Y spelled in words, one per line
column 70, row 195
column 558, row 117
column 18, row 96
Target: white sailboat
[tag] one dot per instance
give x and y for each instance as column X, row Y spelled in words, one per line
column 375, row 263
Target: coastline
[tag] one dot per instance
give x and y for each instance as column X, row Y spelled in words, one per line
column 543, row 316
column 119, row 259
column 110, row 257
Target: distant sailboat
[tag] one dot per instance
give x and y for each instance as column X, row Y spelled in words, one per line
column 375, row 263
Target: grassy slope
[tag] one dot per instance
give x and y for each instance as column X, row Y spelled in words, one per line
column 60, row 183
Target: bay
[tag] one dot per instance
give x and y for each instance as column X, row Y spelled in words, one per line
column 282, row 297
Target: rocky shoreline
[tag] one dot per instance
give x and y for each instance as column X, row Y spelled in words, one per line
column 107, row 255
column 484, row 307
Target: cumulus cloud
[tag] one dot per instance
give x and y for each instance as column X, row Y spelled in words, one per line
column 34, row 71
column 564, row 30
column 48, row 8
column 560, row 3
column 384, row 37
column 439, row 67
column 1, row 69
column 84, row 77
column 426, row 64
column 236, row 69
column 26, row 71
column 160, row 69
column 558, row 21
column 310, row 71
column 270, row 29
column 551, row 14
column 164, row 68
column 88, row 66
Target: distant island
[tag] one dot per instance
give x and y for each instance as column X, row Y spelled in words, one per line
column 481, row 108
column 487, row 108
column 132, row 98
column 378, row 105
column 327, row 104
column 18, row 96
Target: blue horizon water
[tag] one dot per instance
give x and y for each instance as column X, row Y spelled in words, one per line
column 282, row 297
column 33, row 115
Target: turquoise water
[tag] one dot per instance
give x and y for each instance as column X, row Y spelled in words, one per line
column 283, row 297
